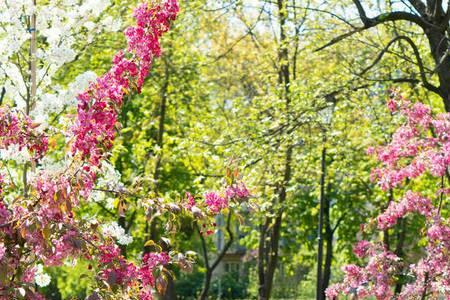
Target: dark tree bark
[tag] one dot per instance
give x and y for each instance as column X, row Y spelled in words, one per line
column 169, row 292
column 401, row 235
column 269, row 250
column 2, row 94
column 152, row 228
column 329, row 234
column 162, row 122
column 323, row 206
column 386, row 237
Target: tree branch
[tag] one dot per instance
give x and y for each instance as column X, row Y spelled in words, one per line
column 2, row 95
column 380, row 19
column 423, row 77
column 338, row 223
column 227, row 245
column 204, row 250
column 419, row 6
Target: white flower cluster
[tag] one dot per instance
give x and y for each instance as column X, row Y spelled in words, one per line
column 62, row 26
column 20, row 156
column 110, row 177
column 61, row 98
column 40, row 278
column 100, row 196
column 113, row 230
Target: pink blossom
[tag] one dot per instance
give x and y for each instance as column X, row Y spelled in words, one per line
column 411, row 153
column 2, row 250
column 238, row 191
column 45, row 221
column 96, row 123
column 392, row 105
column 215, row 202
column 18, row 129
column 189, row 201
column 361, row 248
column 411, row 202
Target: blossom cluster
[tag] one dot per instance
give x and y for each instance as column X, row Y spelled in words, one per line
column 64, row 25
column 420, row 145
column 98, row 106
column 412, row 150
column 117, row 271
column 17, row 129
column 42, row 227
column 214, row 202
column 411, row 202
column 375, row 279
column 114, row 230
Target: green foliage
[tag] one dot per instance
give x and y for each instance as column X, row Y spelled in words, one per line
column 188, row 286
column 229, row 286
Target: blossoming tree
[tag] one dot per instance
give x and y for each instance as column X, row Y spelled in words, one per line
column 39, row 223
column 419, row 148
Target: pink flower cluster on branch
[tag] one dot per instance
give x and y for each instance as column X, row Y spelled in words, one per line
column 117, row 271
column 42, row 227
column 413, row 150
column 213, row 203
column 98, row 107
column 375, row 279
column 411, row 202
column 18, row 129
column 420, row 145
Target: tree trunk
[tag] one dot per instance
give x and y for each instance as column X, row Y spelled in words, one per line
column 439, row 48
column 206, row 285
column 161, row 125
column 401, row 234
column 151, row 228
column 269, row 252
column 210, row 268
column 329, row 234
column 319, row 284
column 386, row 238
column 261, row 258
column 31, row 87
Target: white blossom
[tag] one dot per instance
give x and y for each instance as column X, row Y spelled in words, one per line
column 112, row 24
column 97, row 196
column 125, row 239
column 114, row 230
column 61, row 55
column 89, row 25
column 62, row 25
column 110, row 203
column 14, row 153
column 40, row 278
column 95, row 7
column 61, row 99
column 110, row 178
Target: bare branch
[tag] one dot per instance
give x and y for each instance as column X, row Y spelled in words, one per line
column 2, row 95
column 423, row 77
column 419, row 6
column 227, row 245
column 340, row 38
column 380, row 19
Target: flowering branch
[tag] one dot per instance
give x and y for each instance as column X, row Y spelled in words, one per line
column 412, row 153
